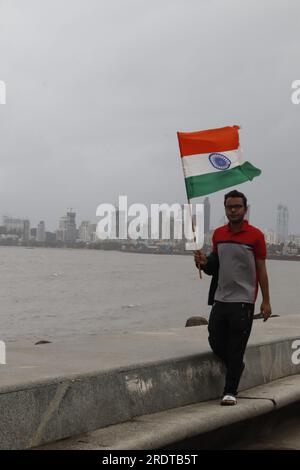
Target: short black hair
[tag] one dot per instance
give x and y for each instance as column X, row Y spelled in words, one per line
column 235, row 193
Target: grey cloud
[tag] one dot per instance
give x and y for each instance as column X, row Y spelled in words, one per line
column 97, row 90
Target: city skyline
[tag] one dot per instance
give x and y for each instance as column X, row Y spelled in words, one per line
column 67, row 228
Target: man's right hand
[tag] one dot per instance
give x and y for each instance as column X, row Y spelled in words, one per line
column 200, row 258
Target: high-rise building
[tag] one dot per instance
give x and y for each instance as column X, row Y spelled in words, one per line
column 41, row 232
column 50, row 237
column 83, row 231
column 92, row 232
column 270, row 237
column 13, row 226
column 19, row 227
column 67, row 231
column 206, row 215
column 87, row 231
column 26, row 231
column 295, row 238
column 282, row 224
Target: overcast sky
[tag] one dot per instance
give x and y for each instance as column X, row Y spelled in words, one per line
column 97, row 89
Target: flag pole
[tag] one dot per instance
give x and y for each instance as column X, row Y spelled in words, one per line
column 194, row 232
column 189, row 203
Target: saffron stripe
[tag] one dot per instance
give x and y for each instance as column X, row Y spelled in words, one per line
column 221, row 139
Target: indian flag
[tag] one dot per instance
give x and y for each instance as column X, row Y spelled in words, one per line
column 212, row 160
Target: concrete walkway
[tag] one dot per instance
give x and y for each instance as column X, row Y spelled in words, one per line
column 53, row 391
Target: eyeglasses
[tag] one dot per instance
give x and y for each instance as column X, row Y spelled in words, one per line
column 234, row 206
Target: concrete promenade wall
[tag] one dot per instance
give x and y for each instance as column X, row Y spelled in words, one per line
column 52, row 391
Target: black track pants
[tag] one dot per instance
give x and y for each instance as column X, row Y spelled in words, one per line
column 229, row 329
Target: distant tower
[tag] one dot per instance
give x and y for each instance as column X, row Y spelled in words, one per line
column 282, row 223
column 206, row 215
column 14, row 226
column 67, row 231
column 41, row 232
column 26, row 230
column 84, row 231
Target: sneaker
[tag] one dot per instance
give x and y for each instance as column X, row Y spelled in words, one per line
column 228, row 400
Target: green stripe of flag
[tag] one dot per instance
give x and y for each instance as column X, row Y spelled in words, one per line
column 208, row 183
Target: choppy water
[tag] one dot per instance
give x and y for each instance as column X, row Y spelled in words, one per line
column 51, row 293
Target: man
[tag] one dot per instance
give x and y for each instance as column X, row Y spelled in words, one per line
column 237, row 264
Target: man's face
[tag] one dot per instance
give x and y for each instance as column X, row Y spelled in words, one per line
column 235, row 210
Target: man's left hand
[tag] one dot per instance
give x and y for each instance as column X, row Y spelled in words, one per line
column 266, row 310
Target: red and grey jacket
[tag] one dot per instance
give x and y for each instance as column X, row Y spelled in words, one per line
column 233, row 264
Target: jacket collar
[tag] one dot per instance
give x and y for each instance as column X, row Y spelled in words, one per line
column 243, row 228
